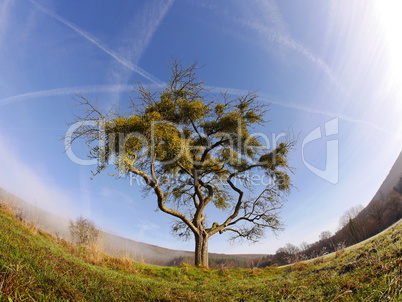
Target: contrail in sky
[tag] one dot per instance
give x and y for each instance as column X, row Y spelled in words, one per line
column 135, row 38
column 140, row 30
column 126, row 87
column 239, row 92
column 64, row 91
column 91, row 39
column 276, row 31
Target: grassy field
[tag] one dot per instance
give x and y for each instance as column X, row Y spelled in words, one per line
column 35, row 266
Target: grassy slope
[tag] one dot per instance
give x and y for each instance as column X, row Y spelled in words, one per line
column 35, row 266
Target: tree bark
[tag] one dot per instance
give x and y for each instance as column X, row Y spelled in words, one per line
column 201, row 249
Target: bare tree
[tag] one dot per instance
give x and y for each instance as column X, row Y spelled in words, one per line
column 290, row 252
column 398, row 186
column 304, row 246
column 376, row 212
column 353, row 223
column 349, row 215
column 83, row 231
column 325, row 235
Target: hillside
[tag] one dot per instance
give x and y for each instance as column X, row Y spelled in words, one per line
column 36, row 266
column 391, row 180
column 115, row 245
column 380, row 213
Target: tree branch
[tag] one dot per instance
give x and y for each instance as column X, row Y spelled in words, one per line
column 161, row 199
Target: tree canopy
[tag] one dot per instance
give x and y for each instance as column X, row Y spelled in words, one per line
column 194, row 152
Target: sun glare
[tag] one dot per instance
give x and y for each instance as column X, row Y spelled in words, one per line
column 389, row 17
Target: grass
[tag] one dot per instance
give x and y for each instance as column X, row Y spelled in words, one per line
column 35, row 266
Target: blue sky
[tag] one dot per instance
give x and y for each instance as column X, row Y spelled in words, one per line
column 313, row 61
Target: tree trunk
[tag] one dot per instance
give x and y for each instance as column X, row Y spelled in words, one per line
column 201, row 249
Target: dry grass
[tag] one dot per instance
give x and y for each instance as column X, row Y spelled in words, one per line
column 7, row 205
column 95, row 253
column 42, row 268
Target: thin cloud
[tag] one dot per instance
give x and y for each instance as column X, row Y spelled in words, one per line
column 4, row 15
column 239, row 92
column 137, row 36
column 292, row 44
column 141, row 30
column 105, row 49
column 275, row 29
column 64, row 91
column 121, row 88
column 270, row 10
column 144, row 226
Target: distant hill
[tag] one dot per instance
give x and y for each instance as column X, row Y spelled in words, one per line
column 118, row 246
column 391, row 180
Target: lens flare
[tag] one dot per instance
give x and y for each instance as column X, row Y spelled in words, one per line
column 390, row 21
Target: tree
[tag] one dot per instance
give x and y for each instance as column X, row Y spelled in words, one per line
column 376, row 216
column 398, row 186
column 289, row 249
column 289, row 253
column 83, row 231
column 393, row 210
column 350, row 214
column 325, row 235
column 304, row 246
column 194, row 153
column 354, row 223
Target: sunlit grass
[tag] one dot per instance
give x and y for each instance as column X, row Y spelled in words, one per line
column 35, row 266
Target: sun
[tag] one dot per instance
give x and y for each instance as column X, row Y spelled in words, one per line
column 389, row 17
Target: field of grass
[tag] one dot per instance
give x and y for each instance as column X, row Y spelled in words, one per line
column 35, row 266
